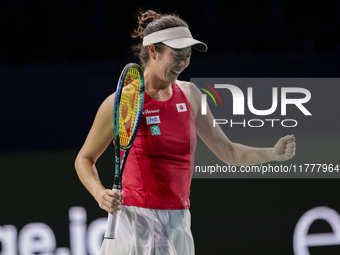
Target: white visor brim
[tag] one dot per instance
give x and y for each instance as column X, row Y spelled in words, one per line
column 175, row 37
column 186, row 42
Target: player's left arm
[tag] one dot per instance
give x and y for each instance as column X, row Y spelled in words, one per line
column 235, row 153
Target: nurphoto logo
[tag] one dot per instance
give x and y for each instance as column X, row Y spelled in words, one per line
column 239, row 100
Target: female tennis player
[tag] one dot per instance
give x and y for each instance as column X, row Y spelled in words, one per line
column 154, row 217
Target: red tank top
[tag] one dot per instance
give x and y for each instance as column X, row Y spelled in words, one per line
column 159, row 167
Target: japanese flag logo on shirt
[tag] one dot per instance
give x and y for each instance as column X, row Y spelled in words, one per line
column 181, row 107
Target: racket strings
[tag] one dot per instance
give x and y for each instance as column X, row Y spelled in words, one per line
column 129, row 106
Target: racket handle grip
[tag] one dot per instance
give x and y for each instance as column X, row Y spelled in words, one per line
column 111, row 223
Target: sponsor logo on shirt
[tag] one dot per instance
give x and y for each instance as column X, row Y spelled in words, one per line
column 152, row 120
column 155, row 130
column 181, row 107
column 151, row 111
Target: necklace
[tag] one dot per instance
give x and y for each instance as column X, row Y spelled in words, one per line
column 153, row 95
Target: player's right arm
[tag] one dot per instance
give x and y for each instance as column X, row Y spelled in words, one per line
column 99, row 137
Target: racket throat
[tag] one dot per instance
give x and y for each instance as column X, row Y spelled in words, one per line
column 117, row 186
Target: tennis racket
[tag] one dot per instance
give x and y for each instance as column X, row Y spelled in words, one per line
column 127, row 114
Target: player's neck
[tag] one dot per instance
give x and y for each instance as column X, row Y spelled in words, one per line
column 154, row 83
column 156, row 88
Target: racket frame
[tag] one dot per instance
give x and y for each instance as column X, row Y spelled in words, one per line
column 120, row 163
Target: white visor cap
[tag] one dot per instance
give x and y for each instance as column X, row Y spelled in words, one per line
column 175, row 37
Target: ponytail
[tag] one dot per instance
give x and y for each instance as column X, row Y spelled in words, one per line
column 149, row 22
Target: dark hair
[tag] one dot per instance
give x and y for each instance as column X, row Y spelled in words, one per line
column 149, row 22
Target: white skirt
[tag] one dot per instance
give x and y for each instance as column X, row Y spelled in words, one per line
column 143, row 231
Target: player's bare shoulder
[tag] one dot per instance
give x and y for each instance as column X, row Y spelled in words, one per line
column 189, row 88
column 109, row 102
column 105, row 111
